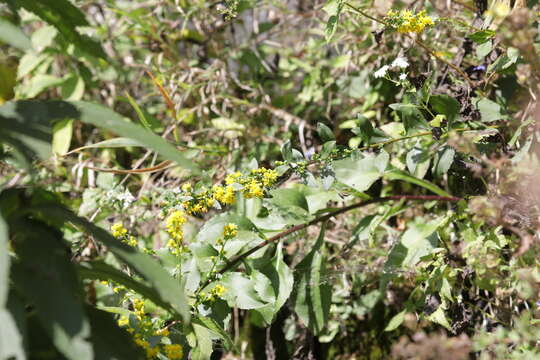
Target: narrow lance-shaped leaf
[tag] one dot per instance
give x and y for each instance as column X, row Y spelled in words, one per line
column 168, row 288
column 98, row 270
column 30, row 122
column 47, row 278
column 312, row 296
column 4, row 262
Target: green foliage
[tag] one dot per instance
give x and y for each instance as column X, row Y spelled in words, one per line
column 254, row 179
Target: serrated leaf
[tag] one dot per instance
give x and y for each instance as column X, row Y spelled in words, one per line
column 439, row 317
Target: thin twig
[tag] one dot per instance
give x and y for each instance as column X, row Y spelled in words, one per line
column 417, row 41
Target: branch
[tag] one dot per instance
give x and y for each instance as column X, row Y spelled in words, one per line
column 323, row 218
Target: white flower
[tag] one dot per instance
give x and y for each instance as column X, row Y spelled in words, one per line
column 126, row 198
column 381, row 72
column 400, row 62
column 402, row 77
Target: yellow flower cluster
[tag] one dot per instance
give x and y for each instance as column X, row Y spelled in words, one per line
column 255, row 182
column 118, row 230
column 138, row 308
column 151, row 352
column 218, row 290
column 174, row 224
column 224, row 194
column 408, row 22
column 174, row 351
column 230, row 231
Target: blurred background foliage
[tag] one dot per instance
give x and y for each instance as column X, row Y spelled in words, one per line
column 213, row 87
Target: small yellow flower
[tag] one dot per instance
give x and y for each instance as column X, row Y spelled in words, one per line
column 123, row 321
column 187, row 187
column 408, row 22
column 162, row 332
column 218, row 290
column 132, row 241
column 230, row 230
column 232, row 178
column 118, row 230
column 174, row 351
column 174, row 224
column 253, row 189
column 224, row 195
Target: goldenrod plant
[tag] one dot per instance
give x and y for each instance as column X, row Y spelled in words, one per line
column 264, row 179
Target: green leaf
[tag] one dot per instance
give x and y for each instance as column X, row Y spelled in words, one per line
column 119, row 142
column 4, row 263
column 12, row 35
column 333, row 8
column 396, row 174
column 412, row 118
column 38, row 84
column 439, row 317
column 325, row 133
column 204, row 349
column 48, row 280
column 64, row 16
column 446, row 105
column 281, row 281
column 168, row 288
column 417, row 160
column 312, row 295
column 489, row 110
column 419, row 240
column 367, row 133
column 396, row 321
column 482, row 50
column 61, row 137
column 214, row 327
column 98, row 270
column 240, row 291
column 360, row 174
column 443, row 160
column 30, row 121
column 482, row 36
column 11, row 341
column 109, row 340
column 139, row 112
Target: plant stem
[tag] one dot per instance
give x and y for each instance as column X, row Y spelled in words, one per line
column 235, row 260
